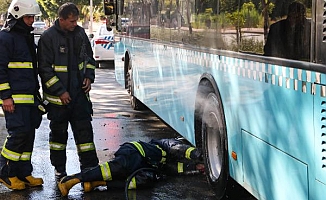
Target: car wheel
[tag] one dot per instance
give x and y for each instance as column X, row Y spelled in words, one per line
column 111, row 64
column 97, row 64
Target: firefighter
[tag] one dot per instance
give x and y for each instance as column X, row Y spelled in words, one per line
column 67, row 69
column 19, row 91
column 165, row 156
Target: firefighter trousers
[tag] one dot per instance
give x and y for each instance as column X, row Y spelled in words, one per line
column 18, row 147
column 78, row 115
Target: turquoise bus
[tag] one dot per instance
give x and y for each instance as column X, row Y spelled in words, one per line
column 234, row 81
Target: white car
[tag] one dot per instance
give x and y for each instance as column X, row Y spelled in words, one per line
column 103, row 45
column 39, row 27
column 124, row 24
column 125, row 21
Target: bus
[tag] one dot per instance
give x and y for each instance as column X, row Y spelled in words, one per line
column 205, row 69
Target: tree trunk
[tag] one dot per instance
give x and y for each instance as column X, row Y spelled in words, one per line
column 188, row 17
column 265, row 4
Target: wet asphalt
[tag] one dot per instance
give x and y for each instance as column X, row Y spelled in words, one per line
column 114, row 122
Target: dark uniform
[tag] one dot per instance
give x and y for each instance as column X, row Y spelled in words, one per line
column 169, row 156
column 18, row 80
column 66, row 58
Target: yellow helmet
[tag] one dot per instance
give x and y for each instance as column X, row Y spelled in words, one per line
column 19, row 8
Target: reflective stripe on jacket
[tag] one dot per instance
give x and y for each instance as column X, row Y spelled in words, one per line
column 66, row 59
column 17, row 73
column 154, row 154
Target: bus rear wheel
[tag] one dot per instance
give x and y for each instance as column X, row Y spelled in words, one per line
column 214, row 142
column 134, row 102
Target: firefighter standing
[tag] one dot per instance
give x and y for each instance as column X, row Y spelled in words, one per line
column 170, row 156
column 66, row 67
column 18, row 91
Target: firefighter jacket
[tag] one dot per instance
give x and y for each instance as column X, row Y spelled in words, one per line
column 152, row 154
column 18, row 64
column 65, row 61
column 176, row 149
column 144, row 163
column 157, row 152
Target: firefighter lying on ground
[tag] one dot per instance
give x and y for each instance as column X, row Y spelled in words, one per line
column 165, row 156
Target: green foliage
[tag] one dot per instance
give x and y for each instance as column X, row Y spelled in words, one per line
column 271, row 7
column 49, row 8
column 248, row 45
column 247, row 17
column 252, row 46
column 209, row 11
column 4, row 4
column 281, row 8
column 236, row 18
column 228, row 5
column 208, row 39
column 251, row 16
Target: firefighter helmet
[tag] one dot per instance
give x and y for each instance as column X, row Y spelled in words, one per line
column 19, row 8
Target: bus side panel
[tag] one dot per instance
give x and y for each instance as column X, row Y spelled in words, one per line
column 273, row 103
column 282, row 117
column 285, row 175
column 319, row 190
column 172, row 90
column 161, row 83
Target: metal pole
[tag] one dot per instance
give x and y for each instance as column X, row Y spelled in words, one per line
column 90, row 27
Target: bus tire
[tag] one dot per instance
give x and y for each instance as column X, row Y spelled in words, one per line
column 134, row 102
column 127, row 69
column 214, row 140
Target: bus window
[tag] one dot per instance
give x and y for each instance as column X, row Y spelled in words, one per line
column 162, row 28
column 135, row 19
column 229, row 26
column 289, row 37
column 241, row 26
column 213, row 24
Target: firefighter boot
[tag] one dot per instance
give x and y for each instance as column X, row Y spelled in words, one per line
column 12, row 183
column 31, row 181
column 93, row 177
column 67, row 182
column 89, row 186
